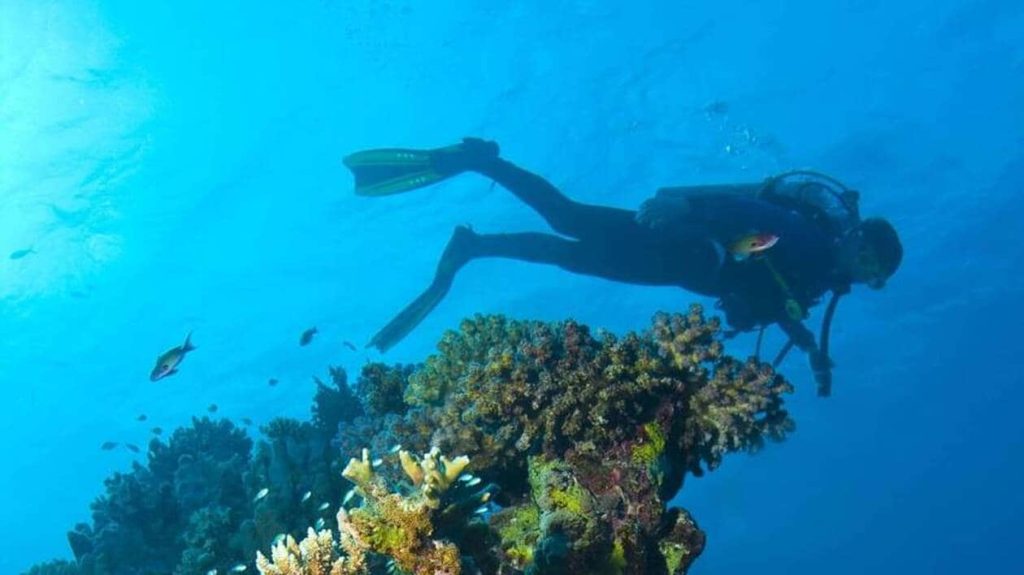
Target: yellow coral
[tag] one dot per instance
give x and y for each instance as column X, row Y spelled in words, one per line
column 434, row 473
column 315, row 555
column 388, row 523
column 360, row 471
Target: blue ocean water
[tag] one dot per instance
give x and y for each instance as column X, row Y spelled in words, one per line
column 175, row 166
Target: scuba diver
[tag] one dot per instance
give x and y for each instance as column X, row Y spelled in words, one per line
column 768, row 251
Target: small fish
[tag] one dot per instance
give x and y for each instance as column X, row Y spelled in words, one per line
column 278, row 539
column 246, row 421
column 108, row 445
column 349, row 345
column 717, row 108
column 323, row 506
column 307, row 336
column 272, row 382
column 473, row 482
column 466, row 477
column 212, row 408
column 141, row 417
column 212, row 571
column 377, row 462
column 751, row 244
column 481, row 510
column 320, row 524
column 168, row 362
column 239, row 568
column 397, row 447
column 18, row 254
column 131, row 447
column 262, row 493
column 348, row 496
column 157, row 431
column 306, row 496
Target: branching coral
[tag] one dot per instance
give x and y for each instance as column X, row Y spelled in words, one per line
column 402, row 526
column 388, row 523
column 317, row 554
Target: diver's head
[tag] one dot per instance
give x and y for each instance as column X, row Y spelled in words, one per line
column 871, row 252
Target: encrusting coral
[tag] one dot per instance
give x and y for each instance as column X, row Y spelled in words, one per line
column 577, row 441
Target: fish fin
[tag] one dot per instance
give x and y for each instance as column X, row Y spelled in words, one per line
column 187, row 346
column 720, row 252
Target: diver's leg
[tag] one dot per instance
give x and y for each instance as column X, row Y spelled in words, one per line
column 622, row 262
column 565, row 216
column 618, row 261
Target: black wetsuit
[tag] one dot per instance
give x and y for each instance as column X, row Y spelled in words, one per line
column 610, row 243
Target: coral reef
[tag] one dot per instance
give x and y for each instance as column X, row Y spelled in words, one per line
column 195, row 506
column 586, row 437
column 577, row 441
column 54, row 568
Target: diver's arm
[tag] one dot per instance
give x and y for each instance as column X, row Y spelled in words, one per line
column 821, row 365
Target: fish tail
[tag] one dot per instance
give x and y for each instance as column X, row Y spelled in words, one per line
column 187, row 346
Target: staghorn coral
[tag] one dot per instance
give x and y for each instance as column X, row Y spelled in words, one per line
column 388, row 523
column 402, row 527
column 316, row 554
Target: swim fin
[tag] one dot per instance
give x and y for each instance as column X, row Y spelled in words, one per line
column 456, row 254
column 388, row 171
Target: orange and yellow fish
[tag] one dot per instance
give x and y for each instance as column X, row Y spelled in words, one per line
column 752, row 244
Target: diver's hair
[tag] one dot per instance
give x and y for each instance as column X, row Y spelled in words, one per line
column 880, row 234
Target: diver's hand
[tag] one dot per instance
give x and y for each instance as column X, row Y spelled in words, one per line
column 821, row 367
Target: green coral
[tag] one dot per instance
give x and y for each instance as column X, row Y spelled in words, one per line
column 652, row 446
column 519, row 530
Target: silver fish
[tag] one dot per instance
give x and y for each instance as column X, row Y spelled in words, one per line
column 212, row 572
column 239, row 568
column 306, row 496
column 472, row 482
column 320, row 524
column 323, row 506
column 348, row 496
column 262, row 493
column 466, row 477
column 377, row 462
column 395, row 449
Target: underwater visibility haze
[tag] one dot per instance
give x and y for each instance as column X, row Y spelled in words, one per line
column 398, row 287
